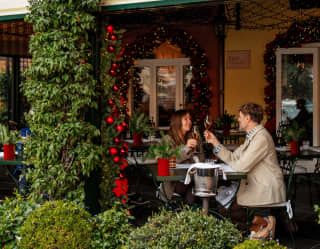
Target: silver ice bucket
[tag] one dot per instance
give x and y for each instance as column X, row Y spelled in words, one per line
column 205, row 180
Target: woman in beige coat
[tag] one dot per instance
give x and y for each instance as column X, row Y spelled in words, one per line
column 256, row 157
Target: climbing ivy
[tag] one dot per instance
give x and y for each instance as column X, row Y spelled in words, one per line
column 61, row 90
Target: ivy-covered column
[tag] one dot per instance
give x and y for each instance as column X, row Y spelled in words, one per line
column 61, row 89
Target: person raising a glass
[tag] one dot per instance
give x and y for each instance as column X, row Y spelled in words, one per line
column 256, row 157
column 181, row 133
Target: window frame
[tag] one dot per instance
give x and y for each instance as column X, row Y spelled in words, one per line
column 316, row 94
column 179, row 63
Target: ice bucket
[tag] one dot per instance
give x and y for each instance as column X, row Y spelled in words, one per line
column 205, row 179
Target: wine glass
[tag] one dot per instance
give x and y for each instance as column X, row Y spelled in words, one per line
column 207, row 123
column 195, row 132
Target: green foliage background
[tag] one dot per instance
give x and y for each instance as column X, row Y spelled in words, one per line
column 61, row 89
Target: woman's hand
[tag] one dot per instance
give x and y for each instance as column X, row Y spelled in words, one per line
column 192, row 143
column 211, row 138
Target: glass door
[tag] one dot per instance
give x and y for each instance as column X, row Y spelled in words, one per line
column 297, row 88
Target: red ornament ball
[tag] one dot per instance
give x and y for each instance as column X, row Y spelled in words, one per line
column 111, row 48
column 109, row 120
column 124, row 124
column 111, row 102
column 115, row 88
column 109, row 29
column 120, row 128
column 116, row 159
column 115, row 65
column 113, row 37
column 113, row 151
column 113, row 73
column 117, row 140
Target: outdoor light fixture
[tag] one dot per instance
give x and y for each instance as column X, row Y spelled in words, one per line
column 220, row 26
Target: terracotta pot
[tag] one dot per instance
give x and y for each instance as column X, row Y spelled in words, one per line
column 137, row 139
column 294, row 148
column 163, row 167
column 8, row 151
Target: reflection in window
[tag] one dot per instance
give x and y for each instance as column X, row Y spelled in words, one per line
column 166, row 93
column 142, row 89
column 187, row 88
column 297, row 83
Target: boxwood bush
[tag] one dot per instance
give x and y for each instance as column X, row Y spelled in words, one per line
column 257, row 244
column 112, row 228
column 13, row 213
column 57, row 224
column 186, row 228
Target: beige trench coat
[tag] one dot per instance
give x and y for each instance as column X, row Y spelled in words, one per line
column 257, row 157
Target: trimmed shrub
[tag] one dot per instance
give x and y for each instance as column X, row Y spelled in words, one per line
column 13, row 213
column 187, row 228
column 112, row 229
column 58, row 224
column 257, row 244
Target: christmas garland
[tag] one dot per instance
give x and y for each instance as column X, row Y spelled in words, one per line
column 297, row 34
column 143, row 48
column 115, row 121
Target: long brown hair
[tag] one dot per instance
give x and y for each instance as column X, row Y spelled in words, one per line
column 175, row 130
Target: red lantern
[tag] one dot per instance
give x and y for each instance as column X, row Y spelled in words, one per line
column 109, row 120
column 109, row 29
column 111, row 48
column 120, row 128
column 113, row 151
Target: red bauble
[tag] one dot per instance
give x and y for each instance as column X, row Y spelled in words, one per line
column 113, row 73
column 109, row 29
column 109, row 120
column 116, row 159
column 83, row 61
column 117, row 140
column 124, row 124
column 120, row 128
column 111, row 102
column 113, row 37
column 115, row 88
column 115, row 65
column 111, row 48
column 123, row 151
column 113, row 151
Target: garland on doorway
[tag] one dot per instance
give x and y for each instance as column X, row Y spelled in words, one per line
column 143, row 48
column 297, row 34
column 115, row 121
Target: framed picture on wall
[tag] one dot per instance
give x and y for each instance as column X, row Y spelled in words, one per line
column 238, row 59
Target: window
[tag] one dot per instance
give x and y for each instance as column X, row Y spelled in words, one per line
column 298, row 78
column 161, row 88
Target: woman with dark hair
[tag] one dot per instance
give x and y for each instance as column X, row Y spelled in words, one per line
column 179, row 134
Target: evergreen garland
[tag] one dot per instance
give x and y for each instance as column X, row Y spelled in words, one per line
column 61, row 89
column 115, row 121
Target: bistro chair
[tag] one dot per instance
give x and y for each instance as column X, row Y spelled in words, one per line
column 284, row 207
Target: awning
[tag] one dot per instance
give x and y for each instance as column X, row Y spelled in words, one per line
column 17, row 9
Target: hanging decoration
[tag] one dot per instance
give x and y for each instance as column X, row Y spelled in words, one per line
column 143, row 47
column 297, row 34
column 115, row 121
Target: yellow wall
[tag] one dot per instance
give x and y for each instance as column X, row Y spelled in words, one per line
column 244, row 85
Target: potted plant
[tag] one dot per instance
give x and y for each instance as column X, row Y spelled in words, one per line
column 162, row 152
column 294, row 134
column 139, row 125
column 225, row 122
column 8, row 139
